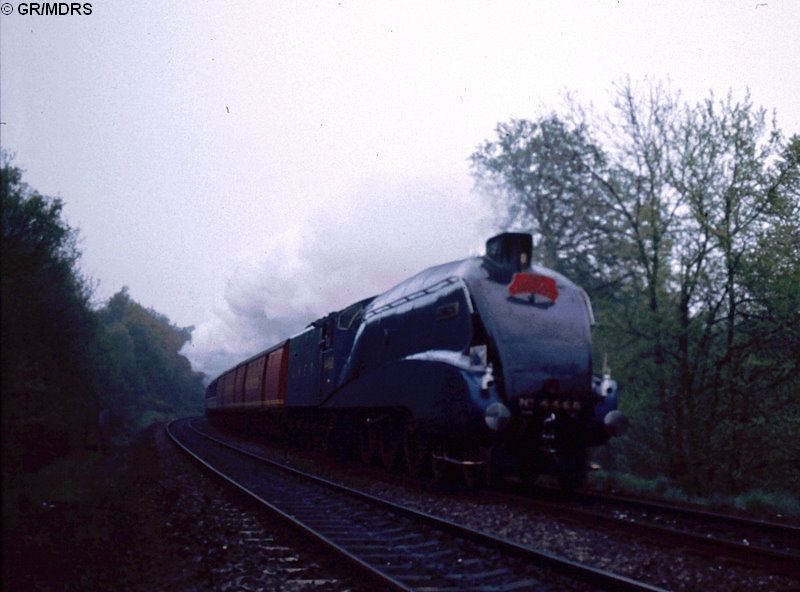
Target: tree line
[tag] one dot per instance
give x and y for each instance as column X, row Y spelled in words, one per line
column 682, row 221
column 75, row 376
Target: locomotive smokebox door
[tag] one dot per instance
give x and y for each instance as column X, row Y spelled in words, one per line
column 507, row 254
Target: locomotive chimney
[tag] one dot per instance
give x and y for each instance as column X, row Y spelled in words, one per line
column 508, row 253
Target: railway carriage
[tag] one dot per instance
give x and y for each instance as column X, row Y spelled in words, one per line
column 478, row 367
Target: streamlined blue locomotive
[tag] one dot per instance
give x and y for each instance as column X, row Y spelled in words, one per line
column 477, row 367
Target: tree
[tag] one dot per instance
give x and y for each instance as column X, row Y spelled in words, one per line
column 724, row 177
column 145, row 376
column 47, row 326
column 672, row 206
column 542, row 173
column 768, row 375
column 63, row 362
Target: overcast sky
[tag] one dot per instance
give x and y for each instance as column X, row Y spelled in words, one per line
column 246, row 166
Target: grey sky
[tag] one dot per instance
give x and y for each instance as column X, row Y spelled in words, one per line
column 243, row 167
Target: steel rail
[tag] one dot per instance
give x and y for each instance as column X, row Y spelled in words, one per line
column 381, row 577
column 563, row 565
column 779, row 528
column 746, row 554
column 758, row 556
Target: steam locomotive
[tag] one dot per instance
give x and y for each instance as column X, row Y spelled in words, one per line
column 476, row 368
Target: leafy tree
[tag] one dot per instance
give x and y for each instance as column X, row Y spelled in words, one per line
column 542, row 173
column 62, row 362
column 47, row 328
column 701, row 174
column 146, row 378
column 769, row 339
column 687, row 216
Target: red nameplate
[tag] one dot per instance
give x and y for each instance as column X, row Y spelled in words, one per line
column 530, row 283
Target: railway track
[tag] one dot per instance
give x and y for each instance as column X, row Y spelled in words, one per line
column 782, row 537
column 399, row 547
column 765, row 545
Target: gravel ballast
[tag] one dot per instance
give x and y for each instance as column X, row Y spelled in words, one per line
column 640, row 559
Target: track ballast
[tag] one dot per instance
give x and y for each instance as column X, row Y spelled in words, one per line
column 402, row 548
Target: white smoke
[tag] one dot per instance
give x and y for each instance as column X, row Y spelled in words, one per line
column 354, row 247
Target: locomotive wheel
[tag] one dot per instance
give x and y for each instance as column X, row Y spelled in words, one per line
column 390, row 445
column 530, row 467
column 416, row 452
column 445, row 475
column 529, row 478
column 328, row 439
column 311, row 438
column 368, row 445
column 476, row 476
column 573, row 468
column 439, row 472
